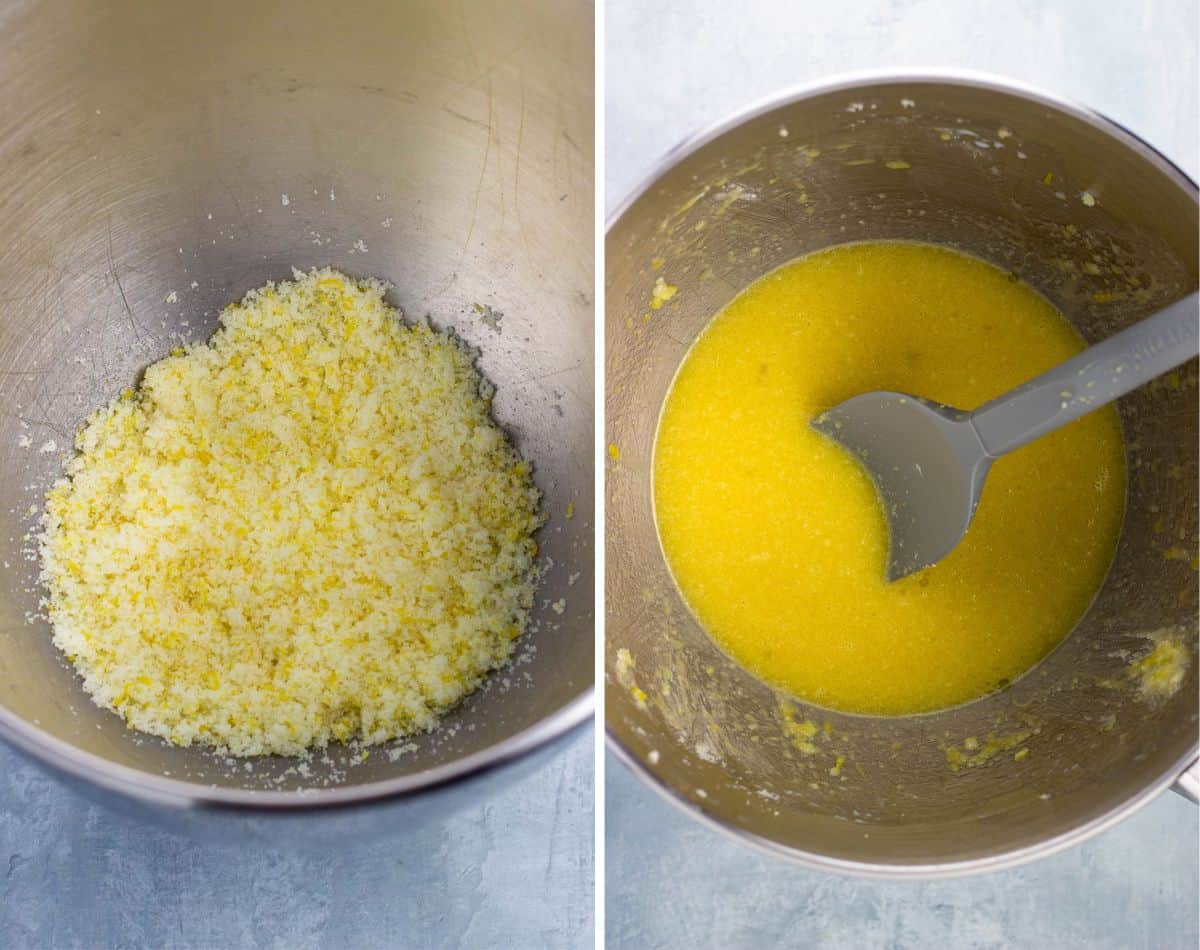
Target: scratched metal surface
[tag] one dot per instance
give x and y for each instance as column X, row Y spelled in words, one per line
column 156, row 162
column 670, row 71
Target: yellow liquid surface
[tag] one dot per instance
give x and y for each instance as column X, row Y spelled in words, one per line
column 776, row 536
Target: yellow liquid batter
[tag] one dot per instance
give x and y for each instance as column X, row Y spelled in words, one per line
column 776, row 535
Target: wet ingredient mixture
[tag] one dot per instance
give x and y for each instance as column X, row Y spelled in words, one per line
column 307, row 529
column 776, row 536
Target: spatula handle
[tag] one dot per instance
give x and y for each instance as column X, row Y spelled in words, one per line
column 1092, row 379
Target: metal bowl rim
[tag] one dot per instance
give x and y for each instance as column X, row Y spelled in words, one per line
column 148, row 787
column 932, row 871
column 859, row 81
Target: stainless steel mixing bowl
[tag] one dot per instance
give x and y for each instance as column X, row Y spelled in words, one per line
column 159, row 160
column 1103, row 226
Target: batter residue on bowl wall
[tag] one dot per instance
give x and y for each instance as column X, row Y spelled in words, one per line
column 775, row 535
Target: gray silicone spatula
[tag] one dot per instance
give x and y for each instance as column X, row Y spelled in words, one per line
column 929, row 461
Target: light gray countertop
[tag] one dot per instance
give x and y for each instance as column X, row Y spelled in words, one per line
column 511, row 869
column 673, row 69
column 674, row 883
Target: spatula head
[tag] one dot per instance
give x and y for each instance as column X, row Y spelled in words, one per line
column 927, row 463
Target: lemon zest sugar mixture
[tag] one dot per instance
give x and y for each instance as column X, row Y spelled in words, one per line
column 307, row 529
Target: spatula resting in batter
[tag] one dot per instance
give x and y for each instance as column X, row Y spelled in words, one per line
column 929, row 461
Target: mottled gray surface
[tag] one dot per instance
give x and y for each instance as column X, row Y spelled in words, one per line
column 513, row 869
column 675, row 883
column 675, row 68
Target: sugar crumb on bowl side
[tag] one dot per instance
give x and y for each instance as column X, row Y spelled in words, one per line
column 308, row 529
